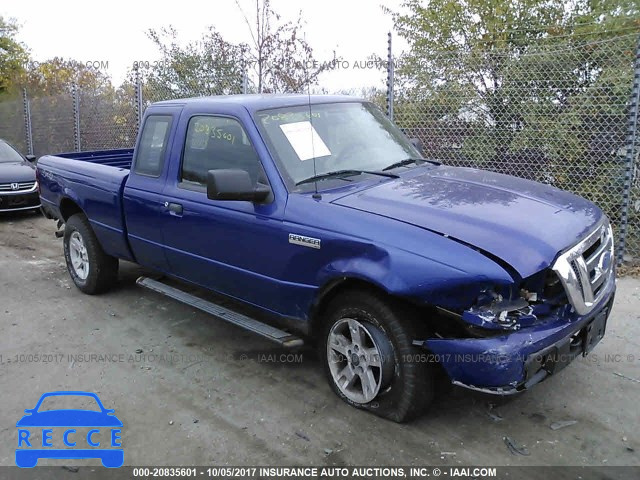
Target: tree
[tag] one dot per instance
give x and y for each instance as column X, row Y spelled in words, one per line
column 58, row 75
column 209, row 66
column 277, row 59
column 536, row 88
column 462, row 50
column 13, row 55
column 477, row 48
column 279, row 56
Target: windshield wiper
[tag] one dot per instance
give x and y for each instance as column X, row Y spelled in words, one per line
column 409, row 161
column 345, row 173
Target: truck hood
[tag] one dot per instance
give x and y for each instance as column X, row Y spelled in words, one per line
column 16, row 172
column 524, row 223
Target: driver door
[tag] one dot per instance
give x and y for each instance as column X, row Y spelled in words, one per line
column 221, row 245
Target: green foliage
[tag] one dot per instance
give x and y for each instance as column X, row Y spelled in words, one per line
column 57, row 76
column 537, row 88
column 13, row 56
column 279, row 57
column 48, row 78
column 209, row 65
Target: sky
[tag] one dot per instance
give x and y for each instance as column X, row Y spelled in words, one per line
column 115, row 31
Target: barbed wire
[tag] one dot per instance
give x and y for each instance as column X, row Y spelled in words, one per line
column 507, row 53
column 635, row 28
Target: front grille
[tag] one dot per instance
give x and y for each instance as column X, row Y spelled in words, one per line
column 576, row 272
column 16, row 187
column 587, row 268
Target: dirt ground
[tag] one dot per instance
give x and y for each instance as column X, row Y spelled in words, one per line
column 193, row 390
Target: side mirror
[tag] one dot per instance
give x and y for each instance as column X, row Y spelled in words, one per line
column 30, row 158
column 234, row 185
column 418, row 144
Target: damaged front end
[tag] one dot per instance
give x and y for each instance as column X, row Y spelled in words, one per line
column 498, row 313
column 512, row 338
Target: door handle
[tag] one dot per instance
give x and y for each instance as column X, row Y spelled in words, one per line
column 174, row 208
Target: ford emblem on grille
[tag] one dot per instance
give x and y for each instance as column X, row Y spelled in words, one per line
column 604, row 264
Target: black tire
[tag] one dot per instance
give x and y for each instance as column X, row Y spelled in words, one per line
column 103, row 268
column 409, row 390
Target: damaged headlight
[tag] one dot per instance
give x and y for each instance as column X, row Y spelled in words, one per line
column 492, row 311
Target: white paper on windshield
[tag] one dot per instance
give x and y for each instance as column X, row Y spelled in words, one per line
column 305, row 140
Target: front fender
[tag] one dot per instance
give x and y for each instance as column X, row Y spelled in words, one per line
column 402, row 259
column 421, row 279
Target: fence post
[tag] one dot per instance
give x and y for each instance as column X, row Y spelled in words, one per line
column 245, row 86
column 390, row 79
column 138, row 100
column 76, row 116
column 632, row 130
column 27, row 121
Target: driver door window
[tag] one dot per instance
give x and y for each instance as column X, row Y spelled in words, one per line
column 217, row 143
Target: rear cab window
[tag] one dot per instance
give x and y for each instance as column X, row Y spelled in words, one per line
column 151, row 151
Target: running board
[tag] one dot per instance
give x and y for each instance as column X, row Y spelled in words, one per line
column 285, row 339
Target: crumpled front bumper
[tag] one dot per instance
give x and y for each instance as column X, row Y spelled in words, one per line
column 513, row 362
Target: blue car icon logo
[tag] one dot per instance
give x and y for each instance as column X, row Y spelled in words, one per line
column 41, row 432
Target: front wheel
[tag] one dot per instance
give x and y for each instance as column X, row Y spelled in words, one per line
column 370, row 361
column 92, row 270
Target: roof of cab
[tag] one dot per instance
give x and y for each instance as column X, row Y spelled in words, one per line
column 256, row 102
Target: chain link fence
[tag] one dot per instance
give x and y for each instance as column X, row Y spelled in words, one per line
column 106, row 120
column 12, row 123
column 52, row 124
column 565, row 114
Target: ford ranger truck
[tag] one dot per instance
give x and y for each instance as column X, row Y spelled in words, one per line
column 317, row 215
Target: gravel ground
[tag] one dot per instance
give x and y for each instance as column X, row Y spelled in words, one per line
column 193, row 390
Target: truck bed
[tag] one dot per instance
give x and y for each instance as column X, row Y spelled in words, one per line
column 94, row 181
column 120, row 158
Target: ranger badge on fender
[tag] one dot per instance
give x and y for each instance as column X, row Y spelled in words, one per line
column 304, row 241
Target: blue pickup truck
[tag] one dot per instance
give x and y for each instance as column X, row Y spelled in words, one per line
column 322, row 219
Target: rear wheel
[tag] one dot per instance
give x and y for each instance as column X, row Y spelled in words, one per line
column 369, row 358
column 92, row 270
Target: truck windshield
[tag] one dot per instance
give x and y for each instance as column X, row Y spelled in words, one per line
column 340, row 136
